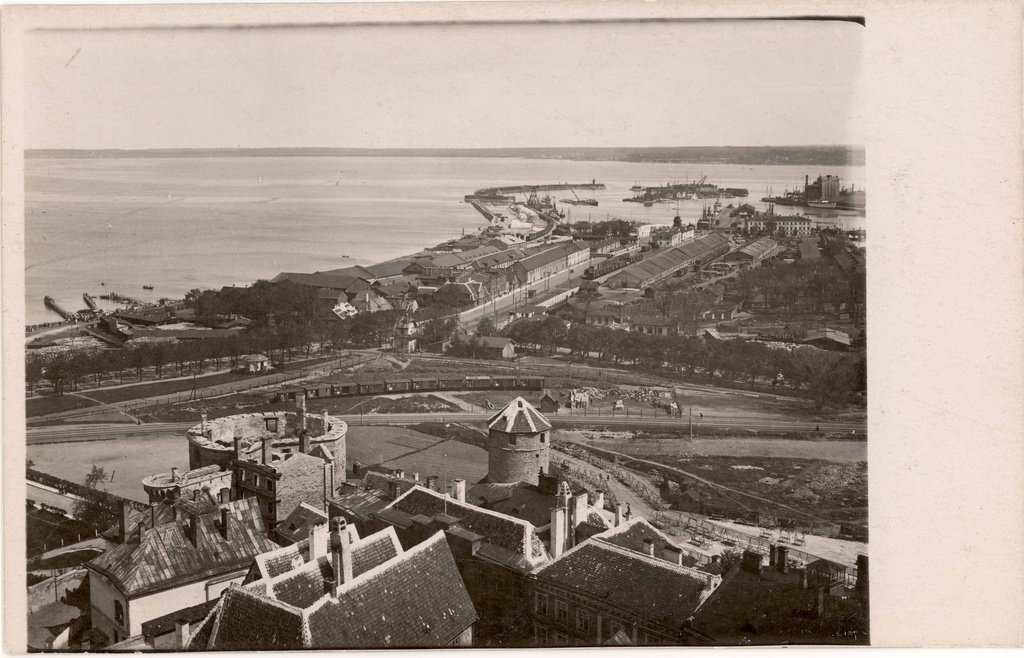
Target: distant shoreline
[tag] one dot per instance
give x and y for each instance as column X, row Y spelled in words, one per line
column 831, row 156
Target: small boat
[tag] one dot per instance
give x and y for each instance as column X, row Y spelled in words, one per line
column 830, row 205
column 147, row 287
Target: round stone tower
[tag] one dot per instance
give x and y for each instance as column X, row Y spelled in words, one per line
column 519, row 437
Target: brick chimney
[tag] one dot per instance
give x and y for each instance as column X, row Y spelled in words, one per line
column 181, row 628
column 304, row 440
column 223, row 526
column 328, row 482
column 782, row 559
column 558, row 527
column 238, row 447
column 618, row 515
column 459, row 490
column 341, row 554
column 771, row 554
column 263, row 451
column 672, row 554
column 432, row 482
column 192, row 529
column 649, row 546
column 123, row 521
column 202, row 426
column 318, row 542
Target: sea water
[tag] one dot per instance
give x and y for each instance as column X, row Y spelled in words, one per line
column 180, row 223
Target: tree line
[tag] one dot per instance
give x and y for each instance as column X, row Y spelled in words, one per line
column 825, row 377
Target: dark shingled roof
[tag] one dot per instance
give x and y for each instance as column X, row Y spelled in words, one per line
column 360, row 503
column 247, row 620
column 654, row 589
column 166, row 557
column 519, row 416
column 301, row 519
column 418, row 600
column 414, row 599
column 513, row 535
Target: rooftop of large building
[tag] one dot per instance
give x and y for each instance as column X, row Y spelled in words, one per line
column 253, row 428
column 505, row 539
column 185, row 550
column 395, row 599
column 519, row 416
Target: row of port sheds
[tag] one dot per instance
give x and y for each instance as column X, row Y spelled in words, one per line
column 413, row 384
column 666, row 263
column 756, row 251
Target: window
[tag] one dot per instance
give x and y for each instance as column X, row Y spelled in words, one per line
column 583, row 620
column 118, row 613
column 543, row 437
column 511, row 439
column 255, row 480
column 271, row 424
column 541, row 605
column 562, row 612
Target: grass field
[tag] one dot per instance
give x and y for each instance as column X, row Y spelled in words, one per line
column 448, row 459
column 40, row 406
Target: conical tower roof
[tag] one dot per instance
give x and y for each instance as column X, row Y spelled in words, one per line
column 519, row 417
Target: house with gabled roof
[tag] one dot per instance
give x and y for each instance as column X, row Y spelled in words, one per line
column 168, row 566
column 348, row 594
column 495, row 553
column 629, row 580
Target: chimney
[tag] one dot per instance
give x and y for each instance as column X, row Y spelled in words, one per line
column 192, row 529
column 223, row 523
column 202, row 426
column 124, row 521
column 599, row 502
column 432, row 482
column 238, row 447
column 180, row 633
column 263, row 451
column 398, row 473
column 771, row 554
column 327, row 425
column 629, row 512
column 152, row 515
column 618, row 515
column 174, row 473
column 304, row 440
column 459, row 490
column 328, row 482
column 782, row 559
column 318, row 542
column 341, row 554
column 649, row 546
column 558, row 523
column 673, row 554
column 580, row 513
column 415, row 477
column 862, row 573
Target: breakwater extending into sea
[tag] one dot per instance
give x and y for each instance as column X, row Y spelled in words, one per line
column 206, row 222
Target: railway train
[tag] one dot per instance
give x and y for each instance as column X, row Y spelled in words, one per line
column 610, row 265
column 411, row 384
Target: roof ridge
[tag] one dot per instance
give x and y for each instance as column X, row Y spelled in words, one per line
column 527, row 526
column 671, row 566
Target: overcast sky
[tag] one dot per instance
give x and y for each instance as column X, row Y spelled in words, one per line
column 659, row 84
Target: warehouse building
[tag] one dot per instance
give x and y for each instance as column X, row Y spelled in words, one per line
column 666, row 263
column 755, row 252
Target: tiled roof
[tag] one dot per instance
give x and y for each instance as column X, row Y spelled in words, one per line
column 632, row 534
column 496, row 342
column 247, row 620
column 657, row 590
column 166, row 557
column 166, row 624
column 360, row 503
column 513, row 535
column 417, row 600
column 519, row 416
column 301, row 519
column 413, row 599
column 273, row 563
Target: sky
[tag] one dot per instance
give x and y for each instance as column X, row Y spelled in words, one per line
column 743, row 83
